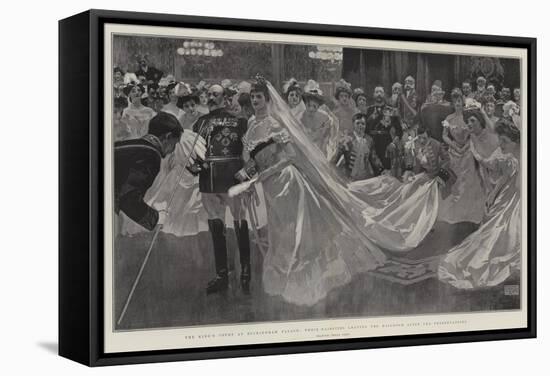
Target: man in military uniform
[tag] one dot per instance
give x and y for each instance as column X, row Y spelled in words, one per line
column 223, row 133
column 375, row 112
column 137, row 163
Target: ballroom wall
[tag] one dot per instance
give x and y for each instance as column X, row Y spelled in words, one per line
column 241, row 61
column 369, row 68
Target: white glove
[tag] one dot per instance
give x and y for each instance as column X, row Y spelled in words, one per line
column 199, row 149
column 161, row 208
column 241, row 188
column 163, row 217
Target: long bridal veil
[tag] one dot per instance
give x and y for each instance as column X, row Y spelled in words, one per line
column 383, row 212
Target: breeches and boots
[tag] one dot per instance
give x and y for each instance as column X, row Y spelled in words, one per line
column 215, row 205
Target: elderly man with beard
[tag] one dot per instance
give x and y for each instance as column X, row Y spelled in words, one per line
column 467, row 90
column 395, row 99
column 409, row 102
column 223, row 133
column 481, row 83
column 375, row 112
column 517, row 96
column 151, row 74
column 503, row 97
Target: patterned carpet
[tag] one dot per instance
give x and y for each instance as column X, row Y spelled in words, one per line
column 421, row 263
column 407, row 271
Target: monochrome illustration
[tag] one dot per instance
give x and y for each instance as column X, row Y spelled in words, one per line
column 269, row 182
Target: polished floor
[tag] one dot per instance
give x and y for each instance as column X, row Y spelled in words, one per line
column 171, row 292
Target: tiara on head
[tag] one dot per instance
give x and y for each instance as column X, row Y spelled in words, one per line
column 260, row 79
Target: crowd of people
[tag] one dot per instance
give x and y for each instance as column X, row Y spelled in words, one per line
column 403, row 163
column 387, row 127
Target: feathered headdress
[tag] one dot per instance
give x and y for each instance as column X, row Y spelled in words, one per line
column 183, row 89
column 342, row 86
column 128, row 88
column 358, row 92
column 471, row 104
column 226, row 83
column 312, row 87
column 291, row 84
column 243, row 87
column 202, row 85
column 456, row 93
column 312, row 90
column 165, row 81
column 511, row 108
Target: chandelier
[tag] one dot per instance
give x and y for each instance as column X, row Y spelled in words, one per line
column 199, row 48
column 327, row 53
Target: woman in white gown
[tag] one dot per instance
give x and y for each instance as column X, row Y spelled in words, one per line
column 345, row 107
column 490, row 255
column 136, row 116
column 189, row 102
column 172, row 106
column 465, row 204
column 293, row 95
column 483, row 141
column 399, row 215
column 404, row 213
column 318, row 121
column 314, row 242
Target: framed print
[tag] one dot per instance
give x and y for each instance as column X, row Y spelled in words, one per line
column 242, row 187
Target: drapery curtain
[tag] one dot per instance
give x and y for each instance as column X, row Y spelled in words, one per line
column 369, row 68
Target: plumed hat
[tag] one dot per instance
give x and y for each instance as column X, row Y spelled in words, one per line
column 313, row 91
column 342, row 86
column 291, row 85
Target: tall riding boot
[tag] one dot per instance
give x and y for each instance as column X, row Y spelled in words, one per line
column 220, row 283
column 241, row 230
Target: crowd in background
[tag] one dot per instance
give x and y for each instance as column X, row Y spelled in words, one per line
column 386, row 126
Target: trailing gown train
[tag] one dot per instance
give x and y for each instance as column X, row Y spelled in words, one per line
column 488, row 256
column 313, row 247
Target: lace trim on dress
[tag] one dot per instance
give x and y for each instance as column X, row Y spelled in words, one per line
column 274, row 132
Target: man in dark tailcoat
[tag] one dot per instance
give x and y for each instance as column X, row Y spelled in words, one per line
column 434, row 111
column 152, row 75
column 137, row 163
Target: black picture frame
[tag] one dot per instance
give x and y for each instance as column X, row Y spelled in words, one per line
column 81, row 186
